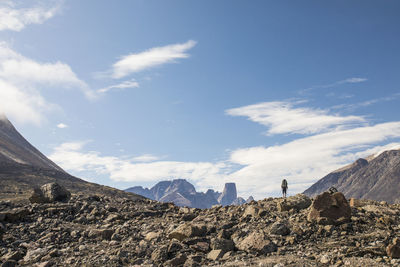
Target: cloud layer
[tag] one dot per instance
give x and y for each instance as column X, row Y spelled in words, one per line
column 283, row 118
column 20, row 80
column 150, row 58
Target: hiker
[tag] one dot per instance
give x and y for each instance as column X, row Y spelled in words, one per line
column 284, row 187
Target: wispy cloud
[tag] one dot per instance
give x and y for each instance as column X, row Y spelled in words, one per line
column 352, row 80
column 16, row 19
column 62, row 126
column 22, row 79
column 150, row 58
column 284, row 118
column 353, row 106
column 122, row 85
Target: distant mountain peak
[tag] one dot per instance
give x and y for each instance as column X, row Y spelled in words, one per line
column 183, row 193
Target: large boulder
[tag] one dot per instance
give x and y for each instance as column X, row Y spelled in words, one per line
column 297, row 202
column 258, row 243
column 14, row 215
column 50, row 193
column 330, row 209
column 280, row 228
column 393, row 250
column 188, row 230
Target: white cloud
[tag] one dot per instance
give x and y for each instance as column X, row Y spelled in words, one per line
column 351, row 80
column 72, row 157
column 21, row 105
column 146, row 158
column 62, row 126
column 150, row 58
column 123, row 85
column 22, row 79
column 282, row 117
column 15, row 19
column 305, row 160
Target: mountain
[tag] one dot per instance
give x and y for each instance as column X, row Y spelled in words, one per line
column 183, row 193
column 14, row 148
column 23, row 167
column 377, row 178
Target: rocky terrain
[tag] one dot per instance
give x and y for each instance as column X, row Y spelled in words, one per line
column 182, row 193
column 376, row 178
column 60, row 229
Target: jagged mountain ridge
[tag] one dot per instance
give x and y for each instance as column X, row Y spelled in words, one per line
column 183, row 193
column 377, row 178
column 23, row 167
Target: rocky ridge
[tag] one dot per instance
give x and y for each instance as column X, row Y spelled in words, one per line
column 183, row 193
column 297, row 231
column 376, row 178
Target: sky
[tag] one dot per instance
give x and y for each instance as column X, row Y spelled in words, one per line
column 128, row 93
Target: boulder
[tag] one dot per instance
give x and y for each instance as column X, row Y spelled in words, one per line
column 49, row 193
column 223, row 244
column 257, row 242
column 215, row 254
column 13, row 255
column 330, row 209
column 280, row 228
column 297, row 202
column 393, row 250
column 188, row 230
column 15, row 215
column 179, row 260
column 104, row 234
column 251, row 210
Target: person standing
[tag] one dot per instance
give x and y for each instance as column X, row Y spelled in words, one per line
column 284, row 187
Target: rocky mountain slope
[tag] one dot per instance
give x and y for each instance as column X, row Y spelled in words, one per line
column 14, row 148
column 377, row 178
column 111, row 231
column 23, row 167
column 183, row 193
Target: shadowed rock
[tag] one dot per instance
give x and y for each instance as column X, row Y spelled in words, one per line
column 330, row 209
column 50, row 193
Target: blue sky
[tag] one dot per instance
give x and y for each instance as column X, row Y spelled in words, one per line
column 134, row 92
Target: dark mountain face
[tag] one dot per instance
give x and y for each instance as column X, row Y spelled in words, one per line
column 23, row 167
column 15, row 149
column 377, row 179
column 183, row 193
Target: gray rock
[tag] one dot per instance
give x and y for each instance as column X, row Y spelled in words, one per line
column 280, row 228
column 188, row 230
column 257, row 242
column 330, row 209
column 297, row 202
column 223, row 244
column 215, row 254
column 49, row 193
